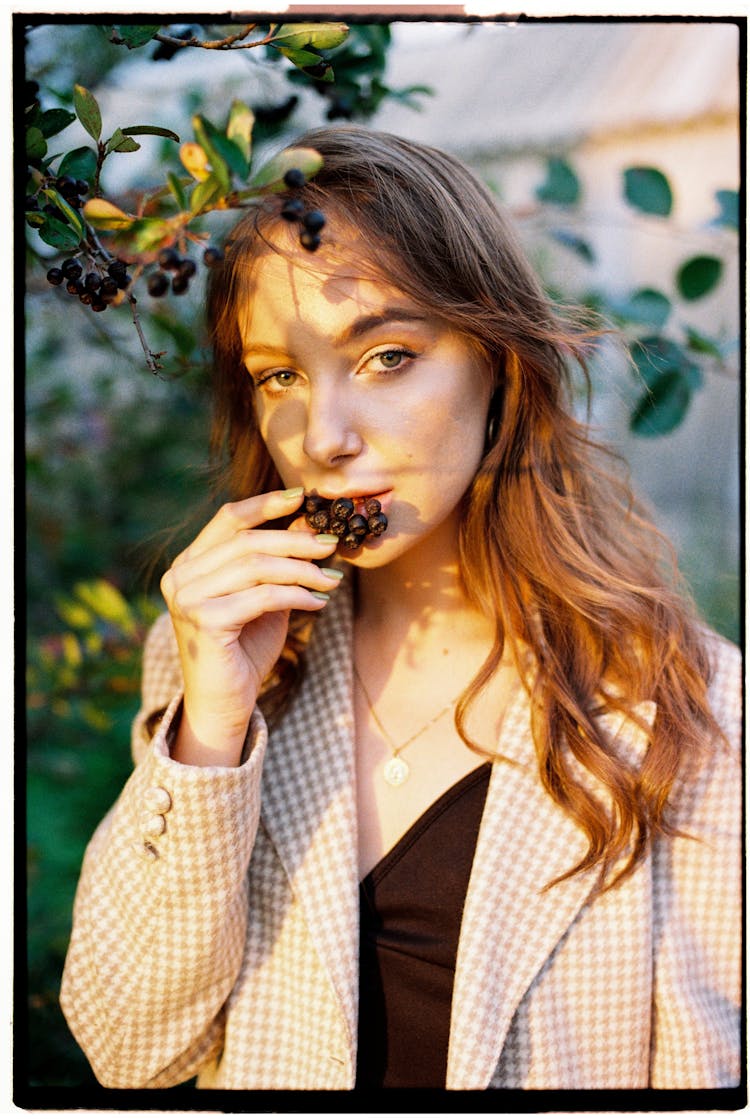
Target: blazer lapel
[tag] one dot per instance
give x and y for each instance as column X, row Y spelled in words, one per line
column 511, row 925
column 308, row 804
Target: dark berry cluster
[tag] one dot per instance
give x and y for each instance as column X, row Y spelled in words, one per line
column 293, row 209
column 94, row 289
column 72, row 190
column 175, row 272
column 339, row 516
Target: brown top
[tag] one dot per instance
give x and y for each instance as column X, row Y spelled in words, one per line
column 411, row 905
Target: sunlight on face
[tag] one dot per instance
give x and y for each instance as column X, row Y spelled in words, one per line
column 360, row 391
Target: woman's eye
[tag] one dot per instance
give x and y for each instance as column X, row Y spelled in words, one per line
column 281, row 378
column 391, row 359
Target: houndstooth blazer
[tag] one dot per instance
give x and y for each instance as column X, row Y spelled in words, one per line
column 216, row 920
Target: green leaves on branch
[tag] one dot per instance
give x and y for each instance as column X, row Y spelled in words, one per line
column 301, row 42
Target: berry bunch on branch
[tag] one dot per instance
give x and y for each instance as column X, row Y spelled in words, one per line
column 109, row 250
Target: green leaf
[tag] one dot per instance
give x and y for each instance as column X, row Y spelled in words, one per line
column 79, row 164
column 663, row 407
column 218, row 165
column 562, row 186
column 150, row 130
column 729, row 209
column 229, row 152
column 56, row 233
column 309, row 63
column 36, row 145
column 107, row 603
column 656, row 355
column 320, row 36
column 701, row 344
column 271, row 174
column 646, row 306
column 137, row 35
column 572, row 241
column 698, row 276
column 72, row 215
column 240, row 128
column 647, row 189
column 177, row 190
column 55, row 120
column 149, row 233
column 203, row 194
column 87, row 111
column 118, row 142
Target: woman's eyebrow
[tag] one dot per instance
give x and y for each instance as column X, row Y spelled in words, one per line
column 363, row 324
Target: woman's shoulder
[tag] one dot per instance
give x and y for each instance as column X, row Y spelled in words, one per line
column 725, row 682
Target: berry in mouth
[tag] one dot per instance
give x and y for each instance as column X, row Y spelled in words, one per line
column 339, row 515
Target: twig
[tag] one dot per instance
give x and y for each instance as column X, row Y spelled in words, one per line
column 231, row 42
column 152, row 360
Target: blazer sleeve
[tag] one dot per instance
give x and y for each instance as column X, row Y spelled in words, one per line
column 160, row 914
column 698, row 910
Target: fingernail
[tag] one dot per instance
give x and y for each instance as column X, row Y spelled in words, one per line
column 327, row 538
column 320, row 594
column 297, row 491
column 332, row 573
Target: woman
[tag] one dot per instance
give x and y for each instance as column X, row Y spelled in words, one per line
column 502, row 752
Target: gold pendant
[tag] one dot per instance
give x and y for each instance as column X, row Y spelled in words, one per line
column 395, row 771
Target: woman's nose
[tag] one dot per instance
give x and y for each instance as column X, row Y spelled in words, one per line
column 331, row 431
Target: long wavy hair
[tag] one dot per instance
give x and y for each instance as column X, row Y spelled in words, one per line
column 552, row 545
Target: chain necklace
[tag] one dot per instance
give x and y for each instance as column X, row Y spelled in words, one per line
column 395, row 770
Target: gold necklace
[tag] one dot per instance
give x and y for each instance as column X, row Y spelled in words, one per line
column 395, row 770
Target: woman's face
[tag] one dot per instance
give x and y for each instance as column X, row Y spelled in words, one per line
column 358, row 391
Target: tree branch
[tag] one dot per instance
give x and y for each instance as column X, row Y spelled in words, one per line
column 152, row 360
column 231, row 42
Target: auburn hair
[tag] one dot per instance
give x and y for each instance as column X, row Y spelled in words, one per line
column 553, row 547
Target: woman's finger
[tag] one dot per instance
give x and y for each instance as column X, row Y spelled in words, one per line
column 243, row 573
column 237, row 516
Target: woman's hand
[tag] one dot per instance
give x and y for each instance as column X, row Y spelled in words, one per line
column 229, row 594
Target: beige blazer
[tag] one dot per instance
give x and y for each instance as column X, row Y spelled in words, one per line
column 216, row 920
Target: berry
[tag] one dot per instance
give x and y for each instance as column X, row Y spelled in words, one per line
column 319, row 520
column 55, row 276
column 93, row 281
column 98, row 304
column 309, row 241
column 180, row 284
column 377, row 523
column 212, row 256
column 108, row 290
column 342, row 507
column 158, row 283
column 122, row 279
column 313, row 503
column 117, row 268
column 82, row 187
column 169, row 259
column 338, row 526
column 187, row 268
column 293, row 209
column 372, row 505
column 74, row 287
column 352, row 541
column 319, row 70
column 314, row 221
column 85, row 297
column 358, row 524
column 294, row 178
column 71, row 269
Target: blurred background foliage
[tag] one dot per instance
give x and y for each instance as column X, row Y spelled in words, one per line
column 117, row 477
